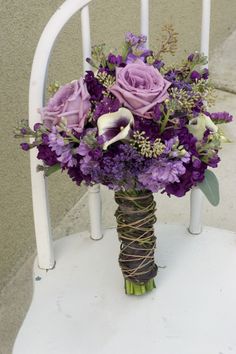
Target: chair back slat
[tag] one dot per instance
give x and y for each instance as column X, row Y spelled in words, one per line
column 196, row 198
column 86, row 38
column 144, row 16
column 205, row 29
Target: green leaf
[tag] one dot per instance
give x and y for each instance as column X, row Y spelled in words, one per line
column 50, row 170
column 210, row 187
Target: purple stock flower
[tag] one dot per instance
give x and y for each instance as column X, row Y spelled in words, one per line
column 134, row 40
column 37, row 126
column 220, row 117
column 131, row 58
column 161, row 173
column 171, row 76
column 157, row 113
column 23, row 131
column 205, row 73
column 195, row 75
column 75, row 173
column 213, row 161
column 66, row 158
column 62, row 150
column 88, row 164
column 25, row 146
column 190, row 178
column 115, row 60
column 45, row 139
column 107, row 105
column 83, row 149
column 94, row 87
column 141, row 55
column 56, row 141
column 158, row 64
column 190, row 57
column 48, row 156
column 148, row 126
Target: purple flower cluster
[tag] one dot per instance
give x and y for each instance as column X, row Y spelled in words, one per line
column 118, row 168
column 45, row 154
column 134, row 40
column 129, row 126
column 114, row 59
column 221, row 117
column 161, row 173
column 94, row 87
column 63, row 151
column 107, row 105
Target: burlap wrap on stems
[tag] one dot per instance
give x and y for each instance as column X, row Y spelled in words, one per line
column 135, row 218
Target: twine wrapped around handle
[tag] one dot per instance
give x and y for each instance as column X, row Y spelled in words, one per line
column 135, row 218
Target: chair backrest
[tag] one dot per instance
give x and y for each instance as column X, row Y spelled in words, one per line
column 36, row 100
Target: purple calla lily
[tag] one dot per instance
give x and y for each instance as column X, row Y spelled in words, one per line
column 115, row 126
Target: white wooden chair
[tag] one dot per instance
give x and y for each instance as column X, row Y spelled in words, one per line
column 79, row 305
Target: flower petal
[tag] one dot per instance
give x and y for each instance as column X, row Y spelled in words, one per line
column 197, row 126
column 115, row 126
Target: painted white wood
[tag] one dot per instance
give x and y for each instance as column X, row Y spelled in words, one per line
column 95, row 212
column 196, row 211
column 205, row 30
column 144, row 16
column 94, row 197
column 196, row 204
column 81, row 307
column 36, row 98
column 86, row 38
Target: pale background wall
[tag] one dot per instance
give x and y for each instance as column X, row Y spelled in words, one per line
column 21, row 24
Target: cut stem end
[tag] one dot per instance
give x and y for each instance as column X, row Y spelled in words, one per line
column 139, row 289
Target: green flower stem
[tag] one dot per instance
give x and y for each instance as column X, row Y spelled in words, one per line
column 139, row 289
column 165, row 121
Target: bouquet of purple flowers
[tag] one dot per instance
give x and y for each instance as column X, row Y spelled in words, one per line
column 137, row 126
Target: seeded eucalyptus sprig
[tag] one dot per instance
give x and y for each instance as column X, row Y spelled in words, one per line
column 195, row 61
column 185, row 101
column 53, row 88
column 145, row 146
column 98, row 56
column 168, row 42
column 105, row 79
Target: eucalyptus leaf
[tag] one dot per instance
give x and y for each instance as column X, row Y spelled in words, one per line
column 210, row 187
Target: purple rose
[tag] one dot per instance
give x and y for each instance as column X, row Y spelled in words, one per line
column 140, row 87
column 70, row 102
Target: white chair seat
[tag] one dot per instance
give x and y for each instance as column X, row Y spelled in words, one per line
column 80, row 307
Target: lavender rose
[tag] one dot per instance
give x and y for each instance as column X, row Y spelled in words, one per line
column 140, row 87
column 71, row 102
